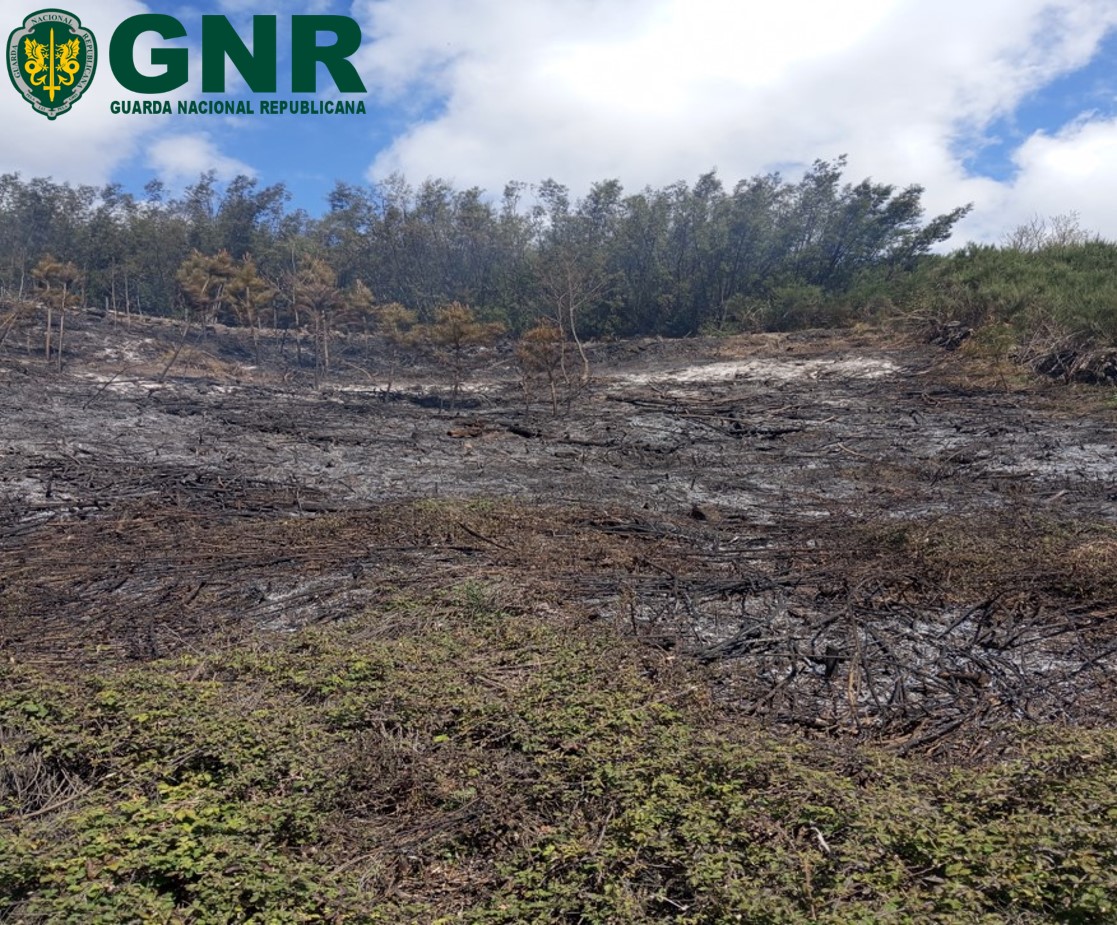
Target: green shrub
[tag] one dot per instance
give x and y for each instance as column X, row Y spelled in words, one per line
column 450, row 760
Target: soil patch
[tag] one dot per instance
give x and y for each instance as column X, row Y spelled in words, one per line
column 848, row 536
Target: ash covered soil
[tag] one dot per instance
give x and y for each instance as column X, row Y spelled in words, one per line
column 847, row 533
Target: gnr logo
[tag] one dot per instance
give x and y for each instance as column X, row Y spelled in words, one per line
column 51, row 60
column 258, row 67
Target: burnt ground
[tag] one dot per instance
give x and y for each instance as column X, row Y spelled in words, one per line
column 844, row 533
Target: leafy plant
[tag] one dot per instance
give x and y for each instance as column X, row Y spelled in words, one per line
column 456, row 758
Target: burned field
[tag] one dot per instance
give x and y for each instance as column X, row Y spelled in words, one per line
column 841, row 536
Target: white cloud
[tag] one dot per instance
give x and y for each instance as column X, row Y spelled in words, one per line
column 186, row 156
column 651, row 91
column 283, row 7
column 1071, row 171
column 85, row 144
column 89, row 144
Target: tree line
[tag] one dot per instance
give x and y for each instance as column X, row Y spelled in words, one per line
column 674, row 260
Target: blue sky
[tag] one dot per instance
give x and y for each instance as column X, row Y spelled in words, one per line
column 1088, row 91
column 1009, row 104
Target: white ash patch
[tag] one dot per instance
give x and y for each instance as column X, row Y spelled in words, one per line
column 783, row 370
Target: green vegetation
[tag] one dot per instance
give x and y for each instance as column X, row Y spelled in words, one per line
column 660, row 261
column 1073, row 288
column 766, row 255
column 1057, row 305
column 453, row 760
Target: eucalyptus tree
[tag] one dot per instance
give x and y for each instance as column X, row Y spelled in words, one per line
column 474, row 249
column 698, row 245
column 837, row 231
column 389, row 243
column 346, row 231
column 41, row 217
column 157, row 236
column 639, row 258
column 512, row 277
column 247, row 218
column 198, row 208
column 571, row 267
column 107, row 246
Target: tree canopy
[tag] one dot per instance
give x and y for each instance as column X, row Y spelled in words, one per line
column 659, row 261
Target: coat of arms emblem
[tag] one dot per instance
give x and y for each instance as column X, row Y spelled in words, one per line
column 51, row 60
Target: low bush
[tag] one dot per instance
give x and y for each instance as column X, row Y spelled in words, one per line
column 453, row 760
